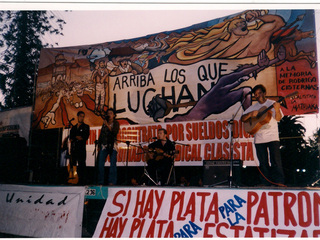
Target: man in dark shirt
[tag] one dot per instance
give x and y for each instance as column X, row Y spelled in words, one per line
column 107, row 145
column 79, row 135
column 161, row 157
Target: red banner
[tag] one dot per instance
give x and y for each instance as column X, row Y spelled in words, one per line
column 195, row 142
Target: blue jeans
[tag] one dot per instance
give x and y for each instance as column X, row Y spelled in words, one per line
column 103, row 154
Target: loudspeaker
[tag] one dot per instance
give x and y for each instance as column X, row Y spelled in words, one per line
column 218, row 171
column 45, row 155
column 13, row 159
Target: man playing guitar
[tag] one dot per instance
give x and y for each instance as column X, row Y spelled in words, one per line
column 267, row 137
column 161, row 157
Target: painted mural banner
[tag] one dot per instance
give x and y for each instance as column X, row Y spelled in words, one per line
column 35, row 211
column 202, row 72
column 209, row 213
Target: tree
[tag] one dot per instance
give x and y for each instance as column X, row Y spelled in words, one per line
column 21, row 41
column 313, row 158
column 292, row 142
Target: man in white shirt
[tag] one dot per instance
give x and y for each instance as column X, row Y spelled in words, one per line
column 266, row 139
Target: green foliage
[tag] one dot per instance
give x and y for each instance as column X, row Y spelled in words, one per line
column 296, row 153
column 21, row 34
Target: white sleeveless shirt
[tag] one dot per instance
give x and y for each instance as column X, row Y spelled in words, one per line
column 268, row 132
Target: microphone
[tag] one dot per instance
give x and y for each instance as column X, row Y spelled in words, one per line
column 154, row 138
column 105, row 117
column 70, row 123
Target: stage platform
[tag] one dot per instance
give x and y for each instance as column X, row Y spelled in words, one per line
column 156, row 211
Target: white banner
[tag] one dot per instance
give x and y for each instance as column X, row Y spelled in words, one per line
column 41, row 211
column 16, row 121
column 209, row 213
column 195, row 141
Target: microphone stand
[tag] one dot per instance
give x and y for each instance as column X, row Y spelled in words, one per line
column 127, row 162
column 145, row 172
column 127, row 159
column 96, row 143
column 69, row 151
column 231, row 122
column 172, row 169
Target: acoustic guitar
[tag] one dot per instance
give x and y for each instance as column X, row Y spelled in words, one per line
column 252, row 125
column 73, row 177
column 158, row 154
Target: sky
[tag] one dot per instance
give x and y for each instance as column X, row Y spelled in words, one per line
column 110, row 25
column 104, row 22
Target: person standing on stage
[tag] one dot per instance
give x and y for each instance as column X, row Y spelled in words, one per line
column 266, row 139
column 107, row 145
column 79, row 135
column 161, row 154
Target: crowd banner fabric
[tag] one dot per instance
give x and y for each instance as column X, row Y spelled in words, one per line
column 34, row 211
column 209, row 213
column 202, row 73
